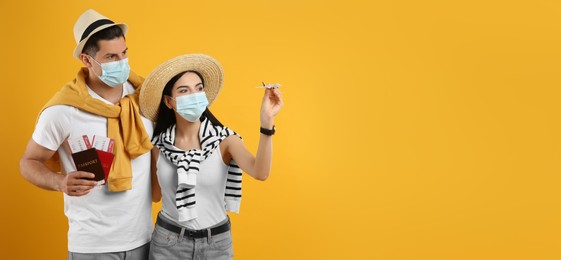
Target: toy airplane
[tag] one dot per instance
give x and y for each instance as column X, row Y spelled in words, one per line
column 276, row 85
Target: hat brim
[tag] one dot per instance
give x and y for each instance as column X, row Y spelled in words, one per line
column 80, row 46
column 152, row 88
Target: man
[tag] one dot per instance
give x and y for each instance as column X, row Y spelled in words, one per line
column 111, row 220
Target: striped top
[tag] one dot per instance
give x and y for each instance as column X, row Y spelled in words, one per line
column 188, row 167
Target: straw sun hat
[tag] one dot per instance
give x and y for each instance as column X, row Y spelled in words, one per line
column 89, row 23
column 152, row 88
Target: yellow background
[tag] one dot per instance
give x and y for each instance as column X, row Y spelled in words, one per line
column 411, row 129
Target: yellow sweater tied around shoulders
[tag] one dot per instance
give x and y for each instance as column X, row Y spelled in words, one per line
column 124, row 126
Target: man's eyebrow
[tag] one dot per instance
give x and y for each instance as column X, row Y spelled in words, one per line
column 116, row 53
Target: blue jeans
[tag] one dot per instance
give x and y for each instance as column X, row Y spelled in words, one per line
column 139, row 253
column 166, row 244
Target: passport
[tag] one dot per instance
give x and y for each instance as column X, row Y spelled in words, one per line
column 89, row 161
column 106, row 159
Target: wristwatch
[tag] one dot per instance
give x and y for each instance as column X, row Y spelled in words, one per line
column 267, row 131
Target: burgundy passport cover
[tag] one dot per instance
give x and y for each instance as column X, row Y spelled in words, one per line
column 89, row 161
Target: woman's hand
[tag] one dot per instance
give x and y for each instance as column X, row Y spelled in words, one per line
column 270, row 107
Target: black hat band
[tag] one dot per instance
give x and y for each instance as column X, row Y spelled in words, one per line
column 93, row 26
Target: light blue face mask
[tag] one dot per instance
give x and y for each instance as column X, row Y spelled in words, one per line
column 114, row 73
column 192, row 106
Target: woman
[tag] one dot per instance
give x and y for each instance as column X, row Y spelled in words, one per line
column 197, row 162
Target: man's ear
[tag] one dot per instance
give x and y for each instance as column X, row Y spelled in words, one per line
column 85, row 60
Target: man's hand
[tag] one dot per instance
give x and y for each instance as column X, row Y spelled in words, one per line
column 76, row 183
column 33, row 168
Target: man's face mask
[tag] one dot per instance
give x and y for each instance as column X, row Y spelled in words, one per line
column 114, row 73
column 192, row 106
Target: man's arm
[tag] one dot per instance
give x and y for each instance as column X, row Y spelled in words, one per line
column 33, row 168
column 156, row 190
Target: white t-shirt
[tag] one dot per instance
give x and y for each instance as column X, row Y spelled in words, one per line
column 209, row 192
column 100, row 221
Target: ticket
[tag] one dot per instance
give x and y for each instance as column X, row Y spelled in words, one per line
column 103, row 143
column 78, row 144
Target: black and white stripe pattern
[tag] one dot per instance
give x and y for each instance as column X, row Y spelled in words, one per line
column 188, row 163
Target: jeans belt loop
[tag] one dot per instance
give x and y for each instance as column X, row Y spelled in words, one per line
column 181, row 234
column 208, row 235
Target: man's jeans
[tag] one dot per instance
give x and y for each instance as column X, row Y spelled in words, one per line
column 139, row 253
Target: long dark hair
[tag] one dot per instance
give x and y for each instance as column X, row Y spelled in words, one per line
column 166, row 116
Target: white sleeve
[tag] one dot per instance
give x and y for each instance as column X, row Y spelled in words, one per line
column 53, row 126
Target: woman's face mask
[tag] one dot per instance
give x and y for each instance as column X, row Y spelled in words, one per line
column 114, row 73
column 191, row 106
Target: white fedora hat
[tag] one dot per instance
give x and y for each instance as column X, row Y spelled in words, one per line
column 89, row 23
